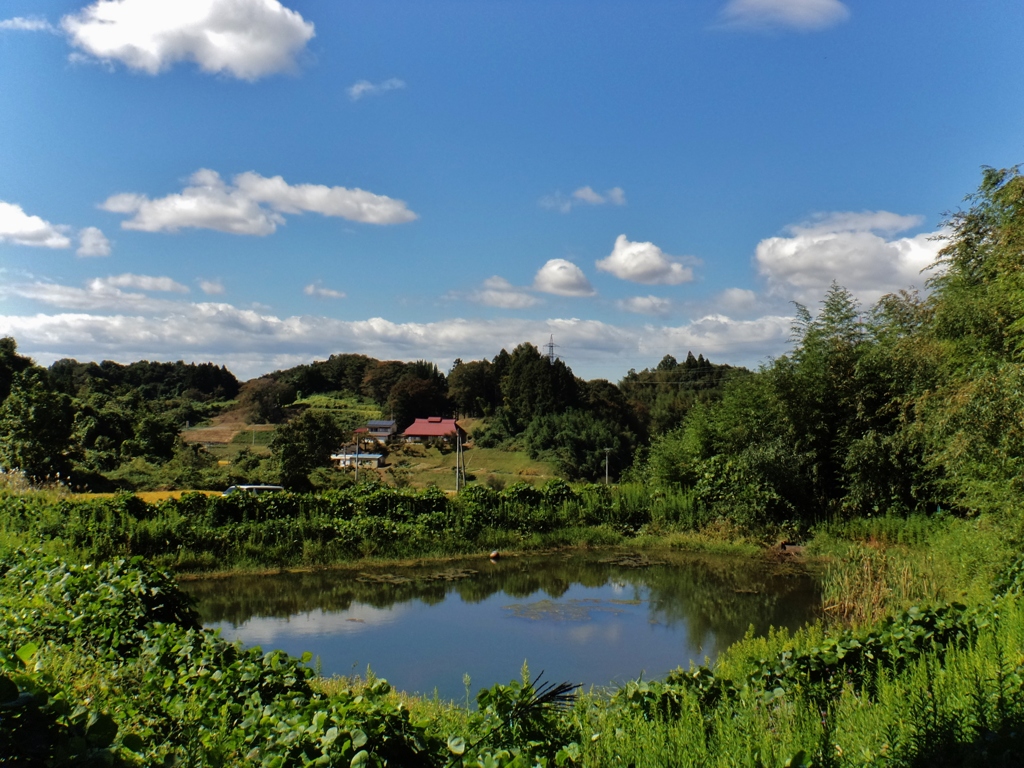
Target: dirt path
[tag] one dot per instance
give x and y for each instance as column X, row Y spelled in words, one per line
column 223, row 429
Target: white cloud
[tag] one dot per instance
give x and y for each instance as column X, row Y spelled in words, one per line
column 587, row 195
column 252, row 343
column 644, row 263
column 315, row 289
column 27, row 24
column 740, row 341
column 141, row 283
column 563, row 278
column 107, row 319
column 646, row 305
column 92, row 242
column 882, row 222
column 850, row 248
column 351, row 204
column 616, row 196
column 247, row 39
column 253, row 205
column 795, row 14
column 556, row 202
column 211, row 287
column 583, row 195
column 736, row 299
column 99, row 294
column 499, row 292
column 16, row 226
column 366, row 88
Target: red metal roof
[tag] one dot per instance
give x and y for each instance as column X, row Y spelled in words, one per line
column 434, row 426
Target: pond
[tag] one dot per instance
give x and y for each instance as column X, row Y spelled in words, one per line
column 596, row 618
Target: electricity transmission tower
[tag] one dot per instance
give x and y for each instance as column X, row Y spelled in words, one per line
column 551, row 350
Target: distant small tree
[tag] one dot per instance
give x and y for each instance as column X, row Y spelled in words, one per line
column 303, row 444
column 265, row 399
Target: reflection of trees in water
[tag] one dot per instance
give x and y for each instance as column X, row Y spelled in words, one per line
column 716, row 598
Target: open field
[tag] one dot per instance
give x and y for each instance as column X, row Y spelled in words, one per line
column 420, row 467
column 416, row 466
column 226, row 428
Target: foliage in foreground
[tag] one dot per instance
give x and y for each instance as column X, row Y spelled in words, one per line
column 104, row 665
column 198, row 532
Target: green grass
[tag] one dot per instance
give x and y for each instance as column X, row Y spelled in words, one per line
column 421, row 467
column 931, row 699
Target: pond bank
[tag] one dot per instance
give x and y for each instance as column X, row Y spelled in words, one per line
column 678, row 541
column 600, row 617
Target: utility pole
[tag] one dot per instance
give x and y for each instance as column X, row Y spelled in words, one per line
column 606, row 452
column 357, row 460
column 458, row 458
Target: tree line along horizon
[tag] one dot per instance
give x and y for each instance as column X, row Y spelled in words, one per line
column 911, row 405
column 92, row 423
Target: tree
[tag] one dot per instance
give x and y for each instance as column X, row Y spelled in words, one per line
column 820, row 387
column 11, row 364
column 35, row 427
column 970, row 420
column 532, row 386
column 154, row 439
column 380, row 378
column 303, row 444
column 413, row 398
column 661, row 397
column 473, row 388
column 265, row 399
column 576, row 441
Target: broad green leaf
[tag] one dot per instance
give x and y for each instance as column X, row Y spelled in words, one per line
column 133, row 742
column 101, row 730
column 27, row 653
column 457, row 745
column 360, row 759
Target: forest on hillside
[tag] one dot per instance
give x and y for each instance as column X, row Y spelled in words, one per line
column 913, row 404
column 109, row 426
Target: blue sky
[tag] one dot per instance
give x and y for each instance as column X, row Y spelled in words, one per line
column 263, row 183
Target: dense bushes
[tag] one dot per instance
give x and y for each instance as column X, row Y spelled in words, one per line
column 103, row 666
column 910, row 405
column 200, row 532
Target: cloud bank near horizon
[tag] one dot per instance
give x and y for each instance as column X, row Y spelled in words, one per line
column 130, row 316
column 113, row 318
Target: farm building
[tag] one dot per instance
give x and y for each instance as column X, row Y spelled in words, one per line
column 347, row 459
column 433, row 427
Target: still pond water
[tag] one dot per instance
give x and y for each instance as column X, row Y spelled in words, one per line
column 595, row 618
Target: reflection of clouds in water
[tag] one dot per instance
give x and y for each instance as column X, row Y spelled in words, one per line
column 588, row 633
column 265, row 631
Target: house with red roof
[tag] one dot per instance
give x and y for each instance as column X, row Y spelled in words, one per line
column 435, row 427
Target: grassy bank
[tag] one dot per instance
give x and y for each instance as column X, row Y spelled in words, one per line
column 920, row 661
column 202, row 533
column 106, row 665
